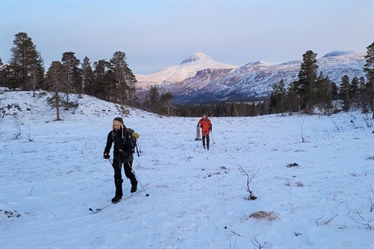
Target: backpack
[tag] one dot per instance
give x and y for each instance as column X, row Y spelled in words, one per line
column 134, row 139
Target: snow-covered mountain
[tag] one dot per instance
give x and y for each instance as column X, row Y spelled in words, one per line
column 254, row 80
column 188, row 68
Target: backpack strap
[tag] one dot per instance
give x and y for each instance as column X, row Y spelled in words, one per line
column 123, row 136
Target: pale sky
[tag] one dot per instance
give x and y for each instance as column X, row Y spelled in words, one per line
column 157, row 34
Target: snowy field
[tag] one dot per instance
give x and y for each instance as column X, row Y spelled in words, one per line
column 313, row 177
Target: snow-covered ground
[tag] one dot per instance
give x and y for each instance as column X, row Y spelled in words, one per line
column 313, row 177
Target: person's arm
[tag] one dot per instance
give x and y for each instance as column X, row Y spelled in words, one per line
column 108, row 145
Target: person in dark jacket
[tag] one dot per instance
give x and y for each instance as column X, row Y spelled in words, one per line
column 122, row 155
column 206, row 127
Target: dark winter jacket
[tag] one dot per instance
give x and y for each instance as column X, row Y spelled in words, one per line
column 120, row 143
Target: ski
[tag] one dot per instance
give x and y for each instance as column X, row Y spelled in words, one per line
column 96, row 210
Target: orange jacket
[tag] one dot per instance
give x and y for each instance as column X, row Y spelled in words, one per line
column 205, row 125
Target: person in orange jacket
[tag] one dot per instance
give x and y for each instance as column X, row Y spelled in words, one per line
column 206, row 127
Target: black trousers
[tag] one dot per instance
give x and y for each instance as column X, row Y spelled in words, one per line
column 117, row 166
column 207, row 140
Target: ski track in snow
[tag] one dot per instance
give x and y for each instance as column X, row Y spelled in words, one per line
column 196, row 197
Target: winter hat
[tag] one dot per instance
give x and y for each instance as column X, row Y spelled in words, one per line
column 119, row 121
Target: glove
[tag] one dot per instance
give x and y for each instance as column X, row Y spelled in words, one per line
column 106, row 155
column 210, row 129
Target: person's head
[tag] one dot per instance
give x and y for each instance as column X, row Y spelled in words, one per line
column 117, row 123
column 204, row 116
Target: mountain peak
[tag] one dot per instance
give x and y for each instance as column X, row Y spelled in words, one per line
column 197, row 57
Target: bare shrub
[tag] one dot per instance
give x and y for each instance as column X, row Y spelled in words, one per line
column 257, row 244
column 5, row 144
column 368, row 121
column 249, row 182
column 370, row 199
column 322, row 221
column 359, row 219
column 123, row 110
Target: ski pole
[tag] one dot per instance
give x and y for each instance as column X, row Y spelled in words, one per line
column 146, row 194
column 137, row 151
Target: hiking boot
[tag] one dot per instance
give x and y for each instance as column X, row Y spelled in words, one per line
column 134, row 186
column 116, row 199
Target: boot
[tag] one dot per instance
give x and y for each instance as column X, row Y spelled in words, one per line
column 118, row 195
column 116, row 199
column 134, row 185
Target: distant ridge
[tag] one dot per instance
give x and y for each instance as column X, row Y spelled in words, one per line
column 200, row 79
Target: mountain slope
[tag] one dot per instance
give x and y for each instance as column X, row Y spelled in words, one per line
column 253, row 80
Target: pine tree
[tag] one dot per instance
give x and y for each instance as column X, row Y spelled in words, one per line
column 369, row 70
column 166, row 101
column 102, row 84
column 124, row 79
column 73, row 79
column 87, row 75
column 307, row 78
column 324, row 93
column 154, row 98
column 293, row 99
column 344, row 93
column 363, row 95
column 55, row 77
column 25, row 63
column 277, row 101
column 354, row 91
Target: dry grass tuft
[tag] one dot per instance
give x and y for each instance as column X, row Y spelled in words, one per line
column 262, row 215
column 299, row 184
